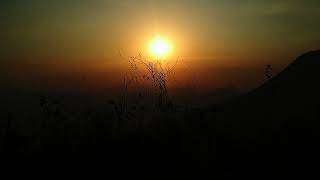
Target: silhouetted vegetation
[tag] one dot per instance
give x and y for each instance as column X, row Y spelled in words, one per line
column 268, row 71
column 270, row 132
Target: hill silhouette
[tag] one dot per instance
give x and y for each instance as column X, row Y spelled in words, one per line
column 293, row 94
column 274, row 130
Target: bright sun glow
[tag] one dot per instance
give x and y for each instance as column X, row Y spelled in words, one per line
column 160, row 48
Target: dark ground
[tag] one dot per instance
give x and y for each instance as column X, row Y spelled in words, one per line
column 271, row 132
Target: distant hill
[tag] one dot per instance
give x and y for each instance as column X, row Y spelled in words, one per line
column 291, row 99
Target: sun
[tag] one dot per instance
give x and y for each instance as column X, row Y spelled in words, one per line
column 160, row 47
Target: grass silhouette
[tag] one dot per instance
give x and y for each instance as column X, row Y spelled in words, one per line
column 261, row 134
column 145, row 78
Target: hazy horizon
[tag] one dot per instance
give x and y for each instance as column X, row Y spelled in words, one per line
column 76, row 44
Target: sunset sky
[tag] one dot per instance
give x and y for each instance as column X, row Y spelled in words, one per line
column 48, row 43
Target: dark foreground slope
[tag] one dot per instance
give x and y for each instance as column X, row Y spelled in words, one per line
column 291, row 95
column 276, row 126
column 271, row 132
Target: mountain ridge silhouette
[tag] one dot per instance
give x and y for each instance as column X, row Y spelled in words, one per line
column 290, row 99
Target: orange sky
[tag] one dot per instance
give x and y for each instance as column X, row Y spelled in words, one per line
column 54, row 44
